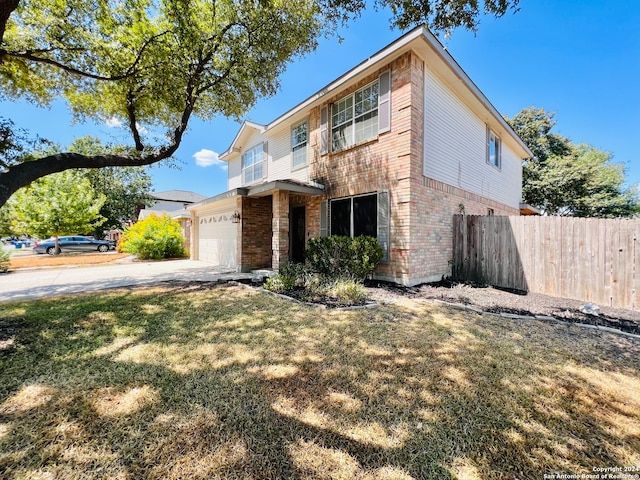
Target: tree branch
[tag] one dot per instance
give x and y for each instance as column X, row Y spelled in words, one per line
column 32, row 55
column 131, row 111
column 6, row 9
column 23, row 174
column 54, row 63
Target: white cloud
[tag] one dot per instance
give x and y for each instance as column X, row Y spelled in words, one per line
column 113, row 122
column 206, row 158
column 142, row 130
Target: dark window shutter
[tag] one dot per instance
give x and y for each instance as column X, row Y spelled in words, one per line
column 324, row 219
column 324, row 130
column 384, row 102
column 383, row 224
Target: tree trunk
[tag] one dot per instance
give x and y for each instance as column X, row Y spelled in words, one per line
column 23, row 174
column 6, row 9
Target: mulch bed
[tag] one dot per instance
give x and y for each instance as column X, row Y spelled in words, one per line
column 495, row 300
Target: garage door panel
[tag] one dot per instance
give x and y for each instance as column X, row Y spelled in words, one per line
column 217, row 239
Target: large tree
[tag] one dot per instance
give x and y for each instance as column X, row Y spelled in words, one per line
column 156, row 63
column 61, row 204
column 563, row 178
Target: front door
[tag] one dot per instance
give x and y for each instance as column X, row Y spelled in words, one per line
column 298, row 228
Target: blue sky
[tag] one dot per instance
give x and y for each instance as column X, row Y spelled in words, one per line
column 579, row 59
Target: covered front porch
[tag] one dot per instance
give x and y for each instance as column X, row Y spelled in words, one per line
column 259, row 227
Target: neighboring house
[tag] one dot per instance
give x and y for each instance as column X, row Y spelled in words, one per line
column 393, row 148
column 172, row 200
column 174, row 203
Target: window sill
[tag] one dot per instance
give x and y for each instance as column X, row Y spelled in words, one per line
column 354, row 146
column 497, row 167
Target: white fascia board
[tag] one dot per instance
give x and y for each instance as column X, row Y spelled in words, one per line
column 422, row 41
column 395, row 49
column 246, row 125
column 467, row 84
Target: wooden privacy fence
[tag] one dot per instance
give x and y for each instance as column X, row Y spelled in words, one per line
column 589, row 259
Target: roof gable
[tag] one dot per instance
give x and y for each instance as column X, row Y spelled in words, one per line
column 246, row 131
column 428, row 47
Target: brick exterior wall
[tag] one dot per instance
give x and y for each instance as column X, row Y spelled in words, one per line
column 379, row 164
column 435, row 205
column 421, row 209
column 255, row 236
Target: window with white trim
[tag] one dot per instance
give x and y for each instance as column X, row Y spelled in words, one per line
column 299, row 138
column 253, row 164
column 493, row 149
column 355, row 118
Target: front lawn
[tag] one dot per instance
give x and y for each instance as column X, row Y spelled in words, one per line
column 197, row 383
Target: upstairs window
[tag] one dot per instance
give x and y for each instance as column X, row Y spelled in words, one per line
column 358, row 117
column 299, row 137
column 366, row 113
column 355, row 118
column 253, row 165
column 493, row 149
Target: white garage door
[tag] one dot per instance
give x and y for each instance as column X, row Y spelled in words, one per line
column 217, row 239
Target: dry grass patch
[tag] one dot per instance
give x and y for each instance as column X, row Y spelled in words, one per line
column 64, row 259
column 171, row 382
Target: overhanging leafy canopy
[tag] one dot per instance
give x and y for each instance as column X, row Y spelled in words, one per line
column 155, row 63
column 150, row 61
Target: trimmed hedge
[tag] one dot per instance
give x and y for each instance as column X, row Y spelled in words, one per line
column 344, row 257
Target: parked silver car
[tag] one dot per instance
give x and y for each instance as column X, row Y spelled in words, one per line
column 72, row 244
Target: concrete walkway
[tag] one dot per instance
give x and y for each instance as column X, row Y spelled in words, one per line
column 46, row 282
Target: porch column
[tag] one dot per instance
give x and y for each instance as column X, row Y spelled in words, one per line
column 280, row 229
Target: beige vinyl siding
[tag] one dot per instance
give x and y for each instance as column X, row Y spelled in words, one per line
column 455, row 148
column 234, row 173
column 280, row 162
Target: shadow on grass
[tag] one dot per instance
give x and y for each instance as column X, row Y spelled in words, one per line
column 228, row 383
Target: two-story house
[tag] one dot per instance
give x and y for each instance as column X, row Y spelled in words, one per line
column 393, row 148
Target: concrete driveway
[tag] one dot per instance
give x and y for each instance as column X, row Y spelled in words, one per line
column 45, row 282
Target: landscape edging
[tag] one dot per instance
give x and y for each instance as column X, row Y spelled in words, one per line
column 513, row 316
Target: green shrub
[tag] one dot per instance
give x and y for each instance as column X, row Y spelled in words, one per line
column 277, row 284
column 346, row 291
column 344, row 257
column 5, row 255
column 289, row 277
column 154, row 238
column 332, row 278
column 296, row 273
